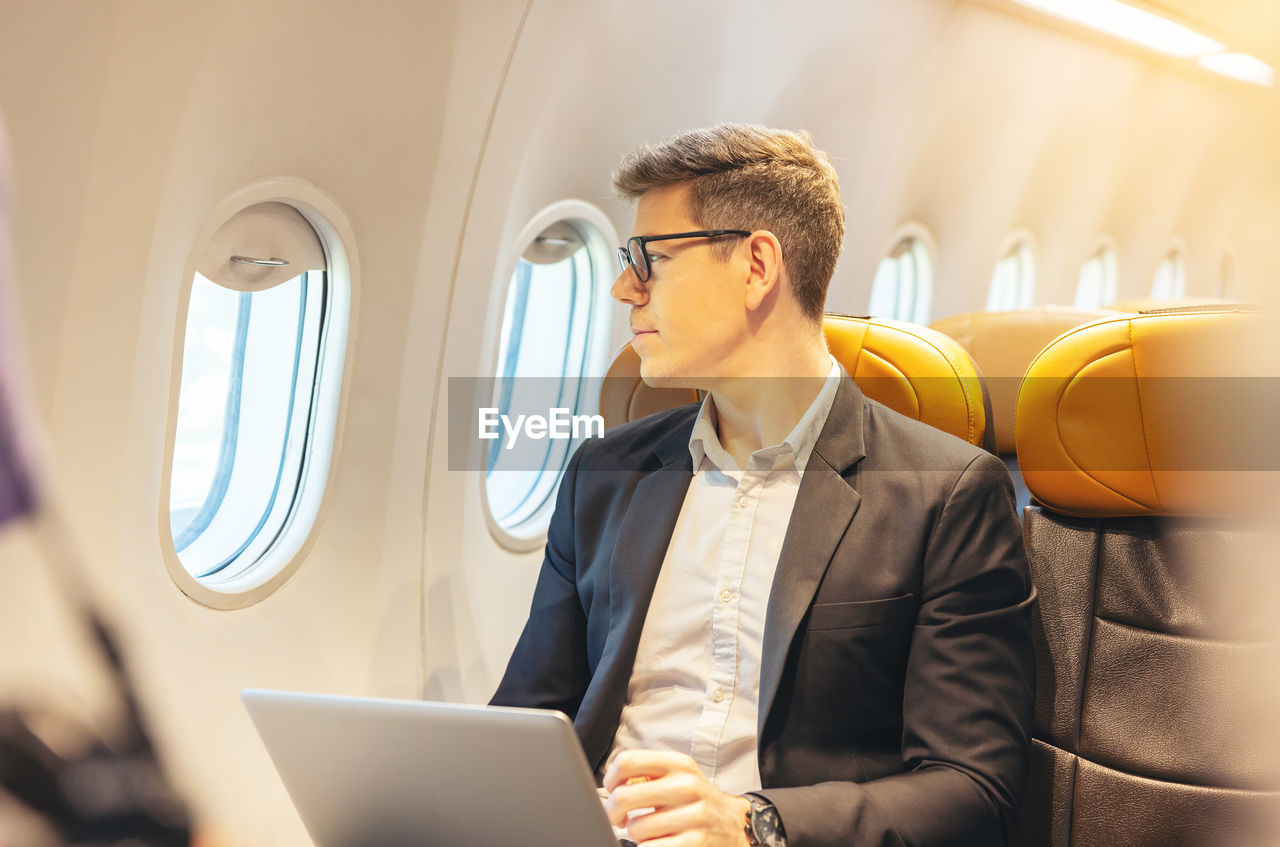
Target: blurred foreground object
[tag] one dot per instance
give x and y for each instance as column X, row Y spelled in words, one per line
column 112, row 793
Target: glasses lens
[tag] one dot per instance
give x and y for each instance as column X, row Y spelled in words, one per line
column 624, row 258
column 638, row 258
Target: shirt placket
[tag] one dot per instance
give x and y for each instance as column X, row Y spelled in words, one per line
column 722, row 683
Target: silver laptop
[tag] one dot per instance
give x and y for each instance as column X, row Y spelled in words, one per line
column 394, row 773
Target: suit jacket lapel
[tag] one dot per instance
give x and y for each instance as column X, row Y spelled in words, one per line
column 638, row 554
column 825, row 504
column 642, row 544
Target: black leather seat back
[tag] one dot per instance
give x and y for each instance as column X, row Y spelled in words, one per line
column 1156, row 634
column 1148, row 727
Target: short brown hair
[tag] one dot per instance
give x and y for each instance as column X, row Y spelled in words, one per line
column 744, row 176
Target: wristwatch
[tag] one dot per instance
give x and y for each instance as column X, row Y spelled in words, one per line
column 764, row 826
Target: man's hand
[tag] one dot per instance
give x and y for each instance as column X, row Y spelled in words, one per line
column 688, row 810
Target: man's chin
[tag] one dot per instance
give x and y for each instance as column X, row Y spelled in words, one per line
column 657, row 377
column 667, row 382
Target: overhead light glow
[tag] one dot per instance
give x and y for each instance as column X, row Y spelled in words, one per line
column 1133, row 24
column 1240, row 66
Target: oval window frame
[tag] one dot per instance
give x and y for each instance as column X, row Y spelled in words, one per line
column 532, row 534
column 1175, row 249
column 1018, row 239
column 276, row 566
column 1229, row 274
column 919, row 233
column 1103, row 245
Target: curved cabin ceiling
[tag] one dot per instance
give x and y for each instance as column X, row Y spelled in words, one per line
column 1251, row 26
column 1240, row 26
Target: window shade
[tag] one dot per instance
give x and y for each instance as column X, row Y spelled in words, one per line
column 266, row 232
column 554, row 244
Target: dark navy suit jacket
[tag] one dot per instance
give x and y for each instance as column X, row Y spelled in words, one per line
column 897, row 674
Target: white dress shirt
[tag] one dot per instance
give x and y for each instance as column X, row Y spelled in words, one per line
column 695, row 685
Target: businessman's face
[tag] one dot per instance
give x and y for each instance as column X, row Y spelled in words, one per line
column 688, row 318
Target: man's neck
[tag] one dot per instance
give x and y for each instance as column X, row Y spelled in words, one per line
column 759, row 410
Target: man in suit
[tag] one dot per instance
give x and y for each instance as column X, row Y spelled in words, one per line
column 786, row 615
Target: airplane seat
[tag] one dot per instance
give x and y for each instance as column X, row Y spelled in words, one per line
column 910, row 368
column 1139, row 438
column 1003, row 345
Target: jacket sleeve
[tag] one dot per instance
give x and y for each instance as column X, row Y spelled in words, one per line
column 548, row 669
column 968, row 695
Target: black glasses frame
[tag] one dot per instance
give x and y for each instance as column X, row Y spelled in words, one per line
column 635, row 255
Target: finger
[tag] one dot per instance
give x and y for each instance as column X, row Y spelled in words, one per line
column 631, row 764
column 666, row 823
column 645, row 763
column 684, row 839
column 677, row 789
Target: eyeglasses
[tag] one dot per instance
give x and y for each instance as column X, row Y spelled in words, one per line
column 635, row 255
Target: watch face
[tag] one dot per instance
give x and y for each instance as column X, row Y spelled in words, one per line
column 766, row 825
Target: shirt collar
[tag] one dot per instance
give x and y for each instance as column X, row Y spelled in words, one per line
column 704, row 441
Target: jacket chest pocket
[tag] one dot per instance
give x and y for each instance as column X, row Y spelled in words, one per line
column 892, row 610
column 851, row 668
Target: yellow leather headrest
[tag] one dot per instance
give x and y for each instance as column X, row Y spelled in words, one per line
column 1003, row 344
column 1149, row 414
column 911, row 369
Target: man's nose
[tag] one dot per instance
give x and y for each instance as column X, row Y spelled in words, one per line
column 628, row 288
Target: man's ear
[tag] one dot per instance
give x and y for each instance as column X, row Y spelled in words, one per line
column 765, row 274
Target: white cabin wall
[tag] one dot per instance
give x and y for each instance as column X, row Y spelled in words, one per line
column 1254, row 231
column 51, row 92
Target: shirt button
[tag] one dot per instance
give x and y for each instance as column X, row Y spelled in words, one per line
column 726, row 595
column 743, row 501
column 718, row 695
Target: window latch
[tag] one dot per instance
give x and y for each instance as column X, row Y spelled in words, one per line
column 273, row 262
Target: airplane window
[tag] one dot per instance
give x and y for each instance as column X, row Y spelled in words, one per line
column 903, row 286
column 254, row 354
column 1097, row 284
column 1170, row 281
column 553, row 311
column 1227, row 285
column 1013, row 285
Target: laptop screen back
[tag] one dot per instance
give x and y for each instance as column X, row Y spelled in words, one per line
column 397, row 773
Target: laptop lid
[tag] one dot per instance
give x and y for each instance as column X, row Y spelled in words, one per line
column 397, row 773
